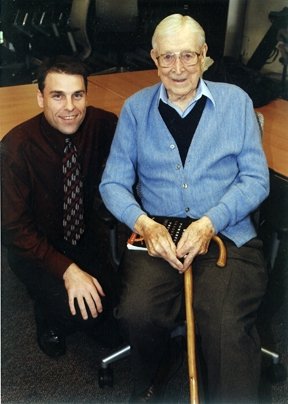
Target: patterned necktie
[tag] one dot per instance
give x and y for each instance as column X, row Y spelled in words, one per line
column 73, row 215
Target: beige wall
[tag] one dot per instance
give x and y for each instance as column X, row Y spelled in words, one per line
column 256, row 25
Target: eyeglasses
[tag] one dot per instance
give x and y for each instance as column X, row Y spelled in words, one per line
column 187, row 58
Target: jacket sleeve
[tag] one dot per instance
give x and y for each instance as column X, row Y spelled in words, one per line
column 19, row 231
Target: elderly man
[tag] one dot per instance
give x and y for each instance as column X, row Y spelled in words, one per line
column 193, row 149
column 51, row 169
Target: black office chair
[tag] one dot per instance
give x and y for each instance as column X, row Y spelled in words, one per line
column 273, row 230
column 77, row 29
column 116, row 32
column 275, row 219
column 17, row 59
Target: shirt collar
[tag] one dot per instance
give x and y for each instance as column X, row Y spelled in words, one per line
column 202, row 89
column 56, row 138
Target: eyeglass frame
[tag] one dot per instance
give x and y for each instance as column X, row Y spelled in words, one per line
column 179, row 56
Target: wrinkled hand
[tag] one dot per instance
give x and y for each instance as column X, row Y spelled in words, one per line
column 158, row 240
column 195, row 241
column 84, row 288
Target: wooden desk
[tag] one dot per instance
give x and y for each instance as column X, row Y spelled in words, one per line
column 275, row 137
column 104, row 98
column 125, row 84
column 109, row 92
column 17, row 104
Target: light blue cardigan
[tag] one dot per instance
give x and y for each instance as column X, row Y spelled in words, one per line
column 225, row 176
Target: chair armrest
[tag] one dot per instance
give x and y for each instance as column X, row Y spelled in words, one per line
column 106, row 216
column 112, row 223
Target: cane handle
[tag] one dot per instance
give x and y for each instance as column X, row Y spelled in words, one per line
column 222, row 258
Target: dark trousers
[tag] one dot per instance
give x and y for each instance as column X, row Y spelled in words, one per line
column 225, row 303
column 49, row 293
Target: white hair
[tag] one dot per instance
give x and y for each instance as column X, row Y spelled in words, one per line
column 173, row 24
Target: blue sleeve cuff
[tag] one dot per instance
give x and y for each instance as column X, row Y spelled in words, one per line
column 130, row 216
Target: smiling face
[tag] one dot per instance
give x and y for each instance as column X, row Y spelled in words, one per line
column 63, row 101
column 180, row 81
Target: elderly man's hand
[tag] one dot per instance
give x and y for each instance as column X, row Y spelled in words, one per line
column 195, row 240
column 85, row 289
column 158, row 241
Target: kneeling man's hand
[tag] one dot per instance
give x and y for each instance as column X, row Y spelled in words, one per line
column 85, row 289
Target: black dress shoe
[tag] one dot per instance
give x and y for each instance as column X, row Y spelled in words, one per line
column 50, row 338
column 51, row 342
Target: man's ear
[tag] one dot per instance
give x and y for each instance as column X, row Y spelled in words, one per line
column 204, row 50
column 40, row 99
column 153, row 55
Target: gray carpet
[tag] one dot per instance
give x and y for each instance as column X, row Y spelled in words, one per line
column 28, row 376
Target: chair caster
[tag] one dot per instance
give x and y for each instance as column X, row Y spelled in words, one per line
column 276, row 373
column 105, row 377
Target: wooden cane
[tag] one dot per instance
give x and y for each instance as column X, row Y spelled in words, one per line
column 188, row 287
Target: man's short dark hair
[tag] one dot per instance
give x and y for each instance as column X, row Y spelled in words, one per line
column 61, row 64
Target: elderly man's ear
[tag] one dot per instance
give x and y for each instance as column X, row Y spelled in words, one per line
column 154, row 54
